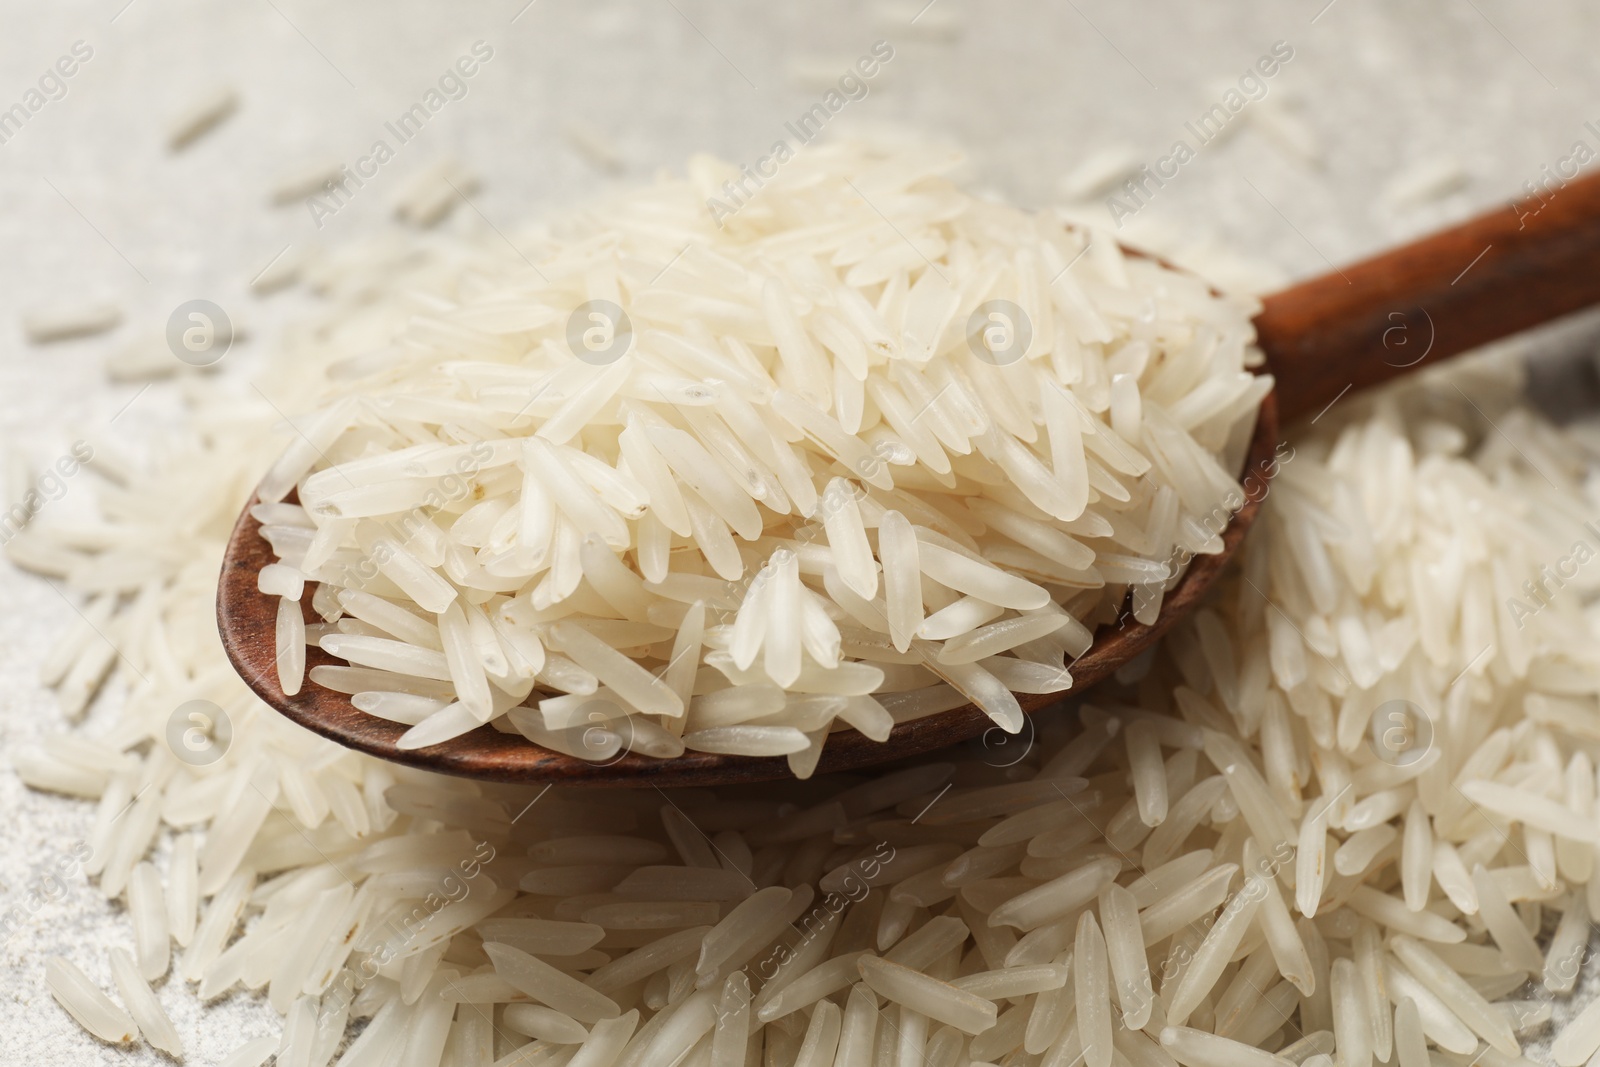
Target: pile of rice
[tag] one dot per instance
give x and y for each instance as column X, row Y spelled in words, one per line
column 871, row 450
column 1345, row 814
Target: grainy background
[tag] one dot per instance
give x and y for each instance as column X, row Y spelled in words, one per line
column 96, row 207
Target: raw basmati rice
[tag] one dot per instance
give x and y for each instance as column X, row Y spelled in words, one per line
column 142, row 1004
column 84, row 1001
column 199, row 118
column 801, row 435
column 149, row 914
column 64, row 322
column 1248, row 877
column 1091, row 987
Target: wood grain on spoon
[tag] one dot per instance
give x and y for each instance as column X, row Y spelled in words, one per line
column 1342, row 332
column 1445, row 294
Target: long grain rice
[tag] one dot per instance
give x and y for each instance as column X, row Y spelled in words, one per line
column 802, row 502
column 84, row 1001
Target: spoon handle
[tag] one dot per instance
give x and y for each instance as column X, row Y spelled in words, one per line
column 1525, row 264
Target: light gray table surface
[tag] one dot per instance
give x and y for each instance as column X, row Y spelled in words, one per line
column 96, row 207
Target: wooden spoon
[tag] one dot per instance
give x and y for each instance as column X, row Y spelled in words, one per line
column 1485, row 279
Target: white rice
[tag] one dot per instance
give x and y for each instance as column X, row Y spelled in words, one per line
column 1426, row 180
column 181, row 890
column 142, row 1004
column 859, row 1028
column 293, row 187
column 753, row 435
column 599, row 149
column 1504, row 924
column 1287, row 130
column 1098, row 172
column 1195, row 1048
column 206, row 113
column 276, row 579
column 1091, row 987
column 84, row 1001
column 544, row 1023
column 150, row 921
column 1579, row 1039
column 65, row 322
column 252, row 1053
column 1410, row 1044
column 431, row 194
column 290, row 638
column 1279, row 878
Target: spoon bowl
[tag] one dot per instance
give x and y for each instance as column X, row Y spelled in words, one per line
column 1356, row 327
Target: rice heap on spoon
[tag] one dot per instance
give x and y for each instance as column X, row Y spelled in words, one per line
column 871, row 449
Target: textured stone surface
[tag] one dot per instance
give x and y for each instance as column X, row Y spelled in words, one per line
column 96, row 206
